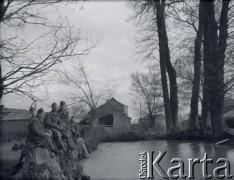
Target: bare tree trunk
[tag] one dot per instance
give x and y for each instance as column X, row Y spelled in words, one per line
column 193, row 119
column 2, row 10
column 1, row 83
column 173, row 85
column 152, row 119
column 209, row 56
column 222, row 46
column 170, row 69
column 205, row 105
column 215, row 63
column 1, row 78
column 163, row 43
column 91, row 117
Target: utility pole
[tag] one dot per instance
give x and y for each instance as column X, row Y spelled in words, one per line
column 140, row 109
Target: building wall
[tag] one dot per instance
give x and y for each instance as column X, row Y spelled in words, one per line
column 109, row 108
column 13, row 130
column 121, row 120
column 118, row 110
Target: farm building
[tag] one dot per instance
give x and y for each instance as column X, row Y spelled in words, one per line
column 13, row 123
column 111, row 114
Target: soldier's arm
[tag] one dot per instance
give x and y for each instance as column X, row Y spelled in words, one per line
column 49, row 123
column 35, row 128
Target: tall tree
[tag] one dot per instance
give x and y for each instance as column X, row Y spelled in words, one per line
column 151, row 16
column 193, row 118
column 214, row 55
column 164, row 65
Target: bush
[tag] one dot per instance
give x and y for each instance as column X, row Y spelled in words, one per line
column 124, row 137
column 15, row 147
column 189, row 135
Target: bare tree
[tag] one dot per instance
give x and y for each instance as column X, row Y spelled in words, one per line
column 214, row 57
column 151, row 15
column 25, row 71
column 146, row 87
column 81, row 90
column 78, row 111
column 187, row 16
column 26, row 63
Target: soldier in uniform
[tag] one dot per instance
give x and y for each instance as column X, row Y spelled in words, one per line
column 64, row 124
column 36, row 135
column 77, row 137
column 63, row 113
column 52, row 123
column 33, row 112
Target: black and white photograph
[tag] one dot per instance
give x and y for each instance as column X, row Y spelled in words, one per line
column 116, row 89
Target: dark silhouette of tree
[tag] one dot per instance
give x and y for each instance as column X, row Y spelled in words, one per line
column 193, row 118
column 214, row 55
column 151, row 16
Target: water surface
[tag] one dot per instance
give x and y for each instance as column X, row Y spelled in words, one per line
column 120, row 160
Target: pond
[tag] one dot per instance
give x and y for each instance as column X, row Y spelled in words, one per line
column 120, row 160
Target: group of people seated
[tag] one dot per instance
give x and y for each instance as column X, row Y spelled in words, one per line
column 54, row 130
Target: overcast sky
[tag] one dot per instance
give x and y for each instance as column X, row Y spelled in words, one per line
column 112, row 60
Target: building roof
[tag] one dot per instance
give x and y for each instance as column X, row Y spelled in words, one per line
column 15, row 114
column 86, row 118
column 112, row 99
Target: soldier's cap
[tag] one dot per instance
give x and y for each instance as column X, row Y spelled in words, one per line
column 62, row 103
column 41, row 110
column 54, row 104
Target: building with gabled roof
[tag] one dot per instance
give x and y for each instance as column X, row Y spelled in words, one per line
column 111, row 114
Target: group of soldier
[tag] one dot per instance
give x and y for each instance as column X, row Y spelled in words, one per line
column 54, row 130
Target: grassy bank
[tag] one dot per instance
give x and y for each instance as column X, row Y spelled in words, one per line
column 182, row 135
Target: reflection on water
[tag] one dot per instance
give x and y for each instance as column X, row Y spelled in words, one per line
column 121, row 160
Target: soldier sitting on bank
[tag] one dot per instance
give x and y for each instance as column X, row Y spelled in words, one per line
column 51, row 122
column 36, row 136
column 77, row 137
column 64, row 124
column 63, row 113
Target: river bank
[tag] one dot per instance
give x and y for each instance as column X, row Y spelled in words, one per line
column 181, row 135
column 9, row 156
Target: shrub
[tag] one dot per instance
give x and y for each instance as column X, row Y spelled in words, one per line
column 15, row 147
column 123, row 137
